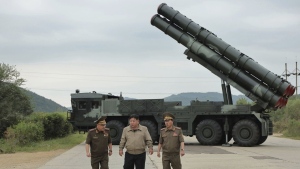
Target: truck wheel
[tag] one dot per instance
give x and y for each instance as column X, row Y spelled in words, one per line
column 152, row 128
column 246, row 133
column 262, row 139
column 209, row 132
column 115, row 130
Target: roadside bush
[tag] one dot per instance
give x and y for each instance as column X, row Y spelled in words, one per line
column 24, row 133
column 68, row 128
column 292, row 109
column 35, row 117
column 2, row 142
column 287, row 119
column 280, row 126
column 293, row 129
column 56, row 125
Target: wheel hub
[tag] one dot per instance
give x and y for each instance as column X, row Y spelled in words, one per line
column 207, row 133
column 245, row 133
column 113, row 132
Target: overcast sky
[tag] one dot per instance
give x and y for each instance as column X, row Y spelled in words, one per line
column 109, row 46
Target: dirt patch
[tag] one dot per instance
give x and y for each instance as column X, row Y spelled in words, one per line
column 27, row 160
column 277, row 134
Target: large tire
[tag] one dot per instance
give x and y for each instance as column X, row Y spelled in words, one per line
column 152, row 128
column 116, row 129
column 262, row 139
column 246, row 133
column 209, row 132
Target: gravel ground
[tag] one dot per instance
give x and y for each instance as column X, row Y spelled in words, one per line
column 27, row 160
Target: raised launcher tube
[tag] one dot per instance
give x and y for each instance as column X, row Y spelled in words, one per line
column 274, row 82
column 249, row 83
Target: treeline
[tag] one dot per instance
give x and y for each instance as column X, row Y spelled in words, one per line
column 287, row 119
column 14, row 103
column 19, row 126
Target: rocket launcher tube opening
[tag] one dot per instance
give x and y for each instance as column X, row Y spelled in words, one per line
column 283, row 103
column 287, row 91
column 292, row 90
column 278, row 103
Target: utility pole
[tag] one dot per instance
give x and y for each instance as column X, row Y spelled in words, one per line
column 296, row 74
column 286, row 73
column 296, row 80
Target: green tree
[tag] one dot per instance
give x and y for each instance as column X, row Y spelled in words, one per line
column 10, row 75
column 242, row 101
column 14, row 103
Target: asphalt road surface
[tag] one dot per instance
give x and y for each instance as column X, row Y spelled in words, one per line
column 275, row 153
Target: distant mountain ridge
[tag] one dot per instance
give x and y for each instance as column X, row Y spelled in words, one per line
column 186, row 98
column 42, row 104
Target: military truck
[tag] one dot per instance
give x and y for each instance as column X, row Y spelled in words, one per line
column 211, row 122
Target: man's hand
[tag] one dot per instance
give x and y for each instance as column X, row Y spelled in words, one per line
column 109, row 153
column 158, row 154
column 150, row 151
column 121, row 152
column 182, row 152
column 88, row 154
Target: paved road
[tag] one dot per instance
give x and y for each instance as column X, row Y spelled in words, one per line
column 275, row 153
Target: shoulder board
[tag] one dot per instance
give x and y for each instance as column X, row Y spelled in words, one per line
column 92, row 129
column 179, row 128
column 163, row 129
column 107, row 129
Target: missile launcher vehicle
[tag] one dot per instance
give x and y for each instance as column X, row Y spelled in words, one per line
column 213, row 123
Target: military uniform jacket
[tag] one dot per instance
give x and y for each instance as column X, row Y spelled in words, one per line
column 170, row 139
column 98, row 141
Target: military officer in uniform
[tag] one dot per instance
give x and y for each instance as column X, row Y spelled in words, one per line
column 98, row 144
column 172, row 143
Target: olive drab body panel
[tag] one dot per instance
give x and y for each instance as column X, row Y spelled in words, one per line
column 213, row 123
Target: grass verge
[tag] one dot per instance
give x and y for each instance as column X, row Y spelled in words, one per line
column 48, row 145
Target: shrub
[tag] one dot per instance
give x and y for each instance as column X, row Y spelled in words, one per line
column 56, row 125
column 35, row 117
column 280, row 126
column 68, row 128
column 293, row 129
column 24, row 133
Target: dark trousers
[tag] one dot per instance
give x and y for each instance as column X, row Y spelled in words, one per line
column 137, row 160
column 102, row 160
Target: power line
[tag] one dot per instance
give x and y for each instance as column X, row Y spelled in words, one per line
column 101, row 75
column 105, row 80
column 64, row 90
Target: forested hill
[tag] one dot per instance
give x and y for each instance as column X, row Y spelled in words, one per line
column 211, row 96
column 42, row 104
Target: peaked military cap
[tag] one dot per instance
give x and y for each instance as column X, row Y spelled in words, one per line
column 168, row 116
column 101, row 120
